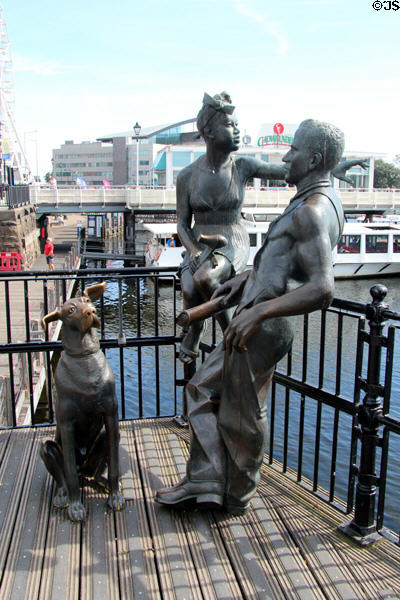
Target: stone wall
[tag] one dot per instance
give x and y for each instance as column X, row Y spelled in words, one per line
column 19, row 233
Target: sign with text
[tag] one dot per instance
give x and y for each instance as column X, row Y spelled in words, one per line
column 276, row 134
column 5, row 149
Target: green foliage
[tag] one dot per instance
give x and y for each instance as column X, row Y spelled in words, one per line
column 386, row 175
column 47, row 177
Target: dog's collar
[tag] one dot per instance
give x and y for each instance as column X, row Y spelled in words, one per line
column 81, row 355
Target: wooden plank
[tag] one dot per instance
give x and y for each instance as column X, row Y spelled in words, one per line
column 288, row 566
column 4, row 439
column 63, row 580
column 34, row 574
column 50, row 552
column 99, row 551
column 12, row 478
column 54, row 543
column 216, row 560
column 86, row 558
column 330, row 564
column 302, row 513
column 372, row 569
column 138, row 572
column 173, row 565
column 19, row 552
column 197, row 571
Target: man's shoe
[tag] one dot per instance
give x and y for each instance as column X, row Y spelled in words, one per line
column 234, row 507
column 188, row 492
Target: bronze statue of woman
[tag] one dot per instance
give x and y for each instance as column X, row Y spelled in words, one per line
column 209, row 199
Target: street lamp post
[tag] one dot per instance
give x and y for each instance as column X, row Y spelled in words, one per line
column 137, row 128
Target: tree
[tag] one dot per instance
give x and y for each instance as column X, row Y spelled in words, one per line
column 47, row 177
column 386, row 175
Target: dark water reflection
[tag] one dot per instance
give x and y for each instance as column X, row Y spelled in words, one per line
column 148, row 372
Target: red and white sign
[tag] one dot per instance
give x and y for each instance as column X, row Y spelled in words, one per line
column 278, row 128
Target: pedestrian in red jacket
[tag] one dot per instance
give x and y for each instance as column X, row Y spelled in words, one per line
column 49, row 252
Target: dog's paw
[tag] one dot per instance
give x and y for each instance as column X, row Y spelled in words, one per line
column 61, row 499
column 116, row 501
column 76, row 511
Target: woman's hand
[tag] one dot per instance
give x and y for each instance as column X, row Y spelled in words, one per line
column 231, row 290
column 195, row 260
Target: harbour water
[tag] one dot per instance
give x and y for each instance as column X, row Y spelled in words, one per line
column 357, row 290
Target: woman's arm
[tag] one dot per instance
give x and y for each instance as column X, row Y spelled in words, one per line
column 253, row 167
column 184, row 213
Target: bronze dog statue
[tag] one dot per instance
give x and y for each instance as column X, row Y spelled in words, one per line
column 87, row 435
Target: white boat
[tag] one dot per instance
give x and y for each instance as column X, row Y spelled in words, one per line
column 365, row 249
column 368, row 250
column 159, row 251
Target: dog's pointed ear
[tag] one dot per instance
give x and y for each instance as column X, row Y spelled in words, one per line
column 53, row 316
column 95, row 291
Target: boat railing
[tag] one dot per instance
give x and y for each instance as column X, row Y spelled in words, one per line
column 333, row 407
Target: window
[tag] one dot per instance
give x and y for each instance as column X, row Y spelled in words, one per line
column 253, row 240
column 181, row 159
column 396, row 243
column 376, row 243
column 349, row 244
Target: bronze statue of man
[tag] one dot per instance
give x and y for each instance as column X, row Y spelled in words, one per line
column 292, row 274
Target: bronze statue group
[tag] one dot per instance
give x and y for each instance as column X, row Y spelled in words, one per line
column 292, row 274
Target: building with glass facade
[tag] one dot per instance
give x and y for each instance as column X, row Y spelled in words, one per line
column 119, row 158
column 156, row 155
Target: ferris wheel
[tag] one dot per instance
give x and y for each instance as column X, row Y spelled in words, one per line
column 12, row 152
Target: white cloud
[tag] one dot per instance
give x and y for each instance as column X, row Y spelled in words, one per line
column 271, row 27
column 40, row 67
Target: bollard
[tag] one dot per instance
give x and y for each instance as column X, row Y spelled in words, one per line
column 362, row 528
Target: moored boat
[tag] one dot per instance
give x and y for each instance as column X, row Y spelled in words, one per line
column 366, row 249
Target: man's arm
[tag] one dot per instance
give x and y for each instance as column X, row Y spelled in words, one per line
column 313, row 256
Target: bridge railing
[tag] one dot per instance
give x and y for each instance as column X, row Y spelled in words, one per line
column 131, row 198
column 333, row 409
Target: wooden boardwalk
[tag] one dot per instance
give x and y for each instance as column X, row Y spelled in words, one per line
column 286, row 547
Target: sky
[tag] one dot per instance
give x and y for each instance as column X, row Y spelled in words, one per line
column 84, row 69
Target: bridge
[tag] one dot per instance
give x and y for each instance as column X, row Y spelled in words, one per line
column 99, row 199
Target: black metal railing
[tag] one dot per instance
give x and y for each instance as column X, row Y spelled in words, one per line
column 333, row 415
column 330, row 412
column 139, row 344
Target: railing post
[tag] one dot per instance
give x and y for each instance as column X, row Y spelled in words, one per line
column 362, row 528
